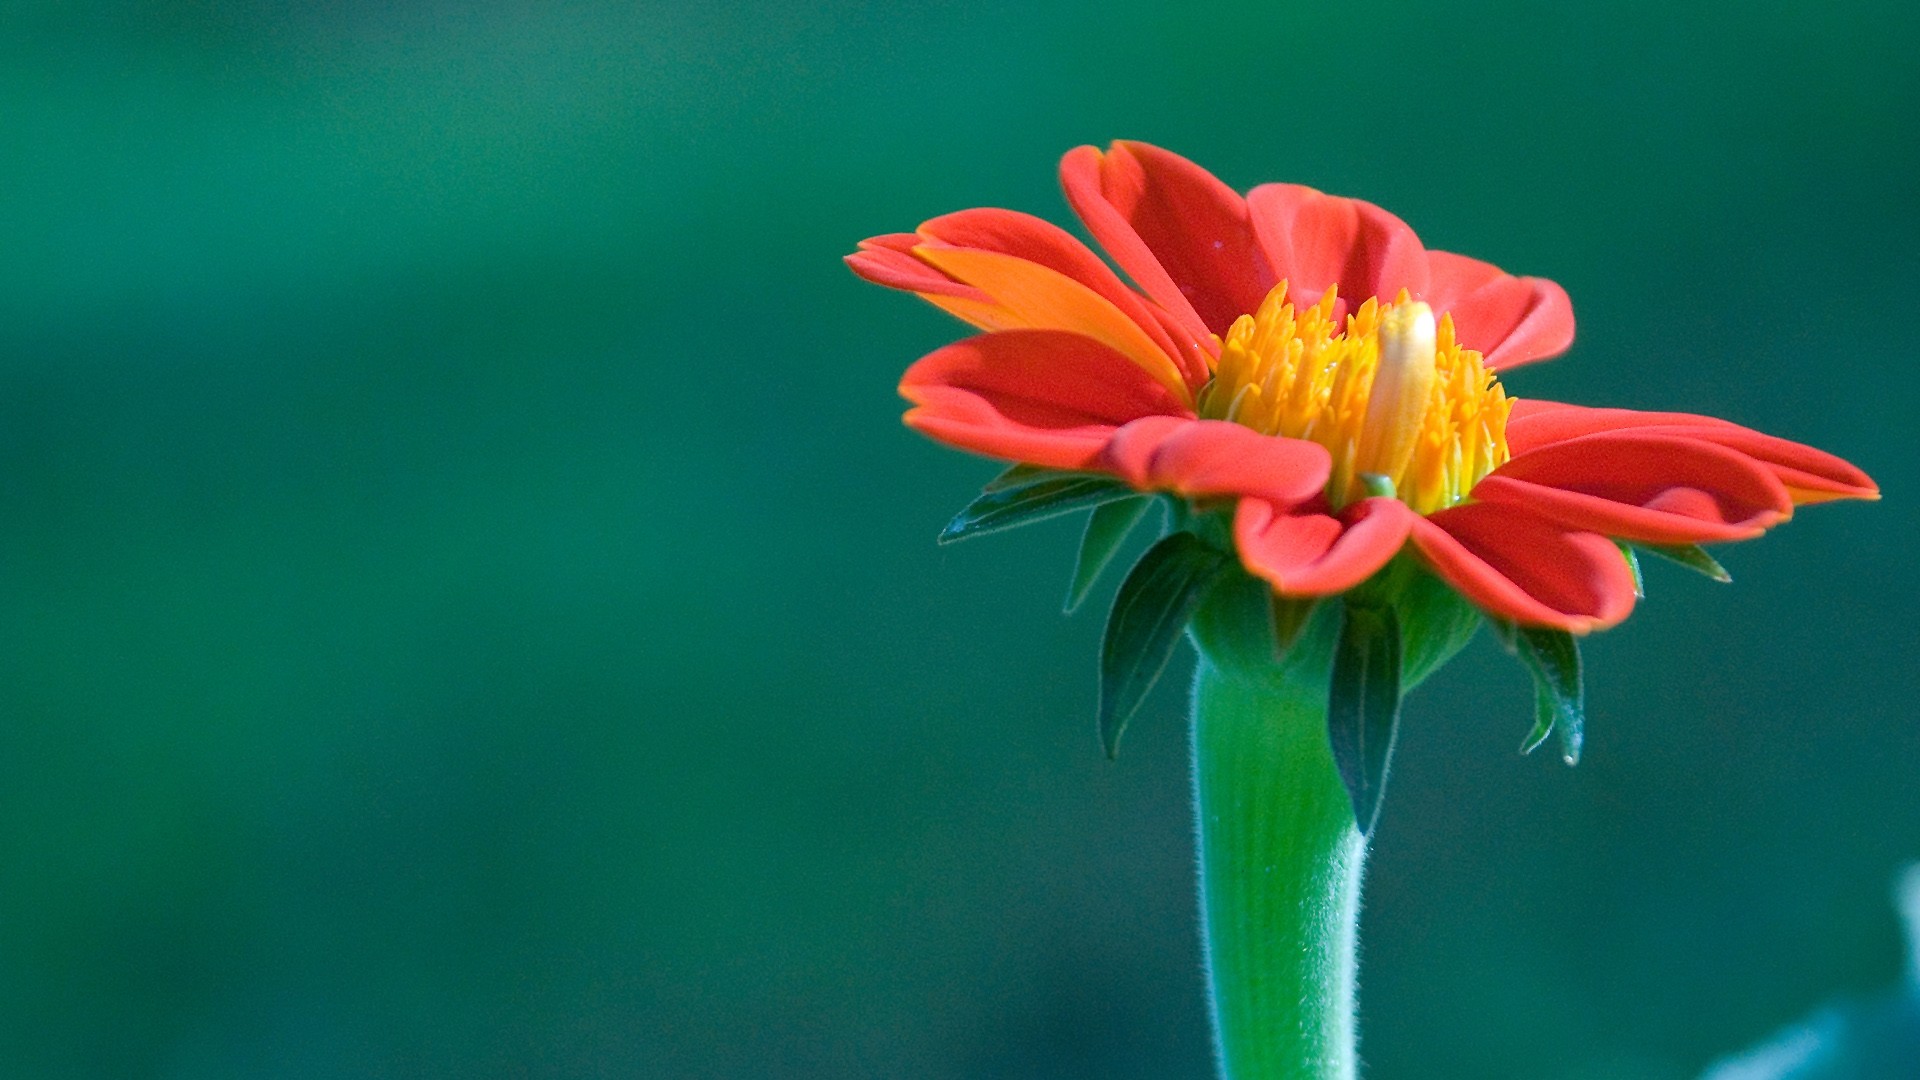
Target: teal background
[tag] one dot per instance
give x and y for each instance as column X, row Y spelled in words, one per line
column 470, row 608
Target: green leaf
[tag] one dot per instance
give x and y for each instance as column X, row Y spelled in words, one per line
column 1633, row 564
column 1542, row 720
column 1005, row 508
column 1692, row 556
column 1107, row 529
column 1363, row 706
column 1022, row 475
column 1149, row 615
column 1552, row 657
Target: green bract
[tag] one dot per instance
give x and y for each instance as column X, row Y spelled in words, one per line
column 1369, row 647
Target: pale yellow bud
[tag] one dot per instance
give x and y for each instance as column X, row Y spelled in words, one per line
column 1402, row 387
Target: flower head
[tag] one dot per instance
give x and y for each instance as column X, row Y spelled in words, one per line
column 1301, row 363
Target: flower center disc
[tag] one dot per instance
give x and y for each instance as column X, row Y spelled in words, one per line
column 1440, row 423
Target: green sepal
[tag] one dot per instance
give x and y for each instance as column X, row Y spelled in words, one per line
column 1363, row 706
column 1633, row 564
column 1552, row 657
column 1151, row 611
column 1435, row 621
column 1246, row 629
column 1692, row 556
column 1289, row 617
column 1000, row 508
column 1107, row 529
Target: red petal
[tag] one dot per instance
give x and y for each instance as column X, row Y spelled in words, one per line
column 1655, row 488
column 1025, row 295
column 1045, row 397
column 913, row 262
column 1534, row 423
column 1178, row 231
column 1043, row 242
column 1509, row 320
column 1516, row 566
column 1314, row 554
column 1194, row 357
column 1810, row 475
column 1314, row 240
column 887, row 260
column 1203, row 459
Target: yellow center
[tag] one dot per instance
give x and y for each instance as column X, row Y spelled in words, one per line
column 1403, row 409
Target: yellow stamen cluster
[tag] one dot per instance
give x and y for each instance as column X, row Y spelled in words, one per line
column 1390, row 394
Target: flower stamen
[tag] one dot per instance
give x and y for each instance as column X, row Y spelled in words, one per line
column 1393, row 397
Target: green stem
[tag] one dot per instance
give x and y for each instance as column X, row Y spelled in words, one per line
column 1280, row 866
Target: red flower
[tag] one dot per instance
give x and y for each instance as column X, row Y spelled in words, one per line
column 1305, row 359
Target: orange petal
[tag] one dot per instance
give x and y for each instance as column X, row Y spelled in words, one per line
column 888, row 260
column 1039, row 241
column 1028, row 296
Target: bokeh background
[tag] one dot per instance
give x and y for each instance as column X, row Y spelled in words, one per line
column 468, row 607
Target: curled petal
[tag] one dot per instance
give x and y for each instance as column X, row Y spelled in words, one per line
column 1517, row 566
column 1045, row 397
column 1171, row 225
column 1651, row 487
column 1810, row 475
column 1003, row 270
column 1194, row 356
column 1202, row 459
column 1535, row 423
column 1039, row 241
column 888, row 260
column 1315, row 553
column 1313, row 240
column 1509, row 320
column 1025, row 295
column 1129, row 454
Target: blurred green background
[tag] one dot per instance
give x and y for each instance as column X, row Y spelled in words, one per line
column 470, row 608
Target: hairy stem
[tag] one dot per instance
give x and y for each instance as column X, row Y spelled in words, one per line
column 1280, row 867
